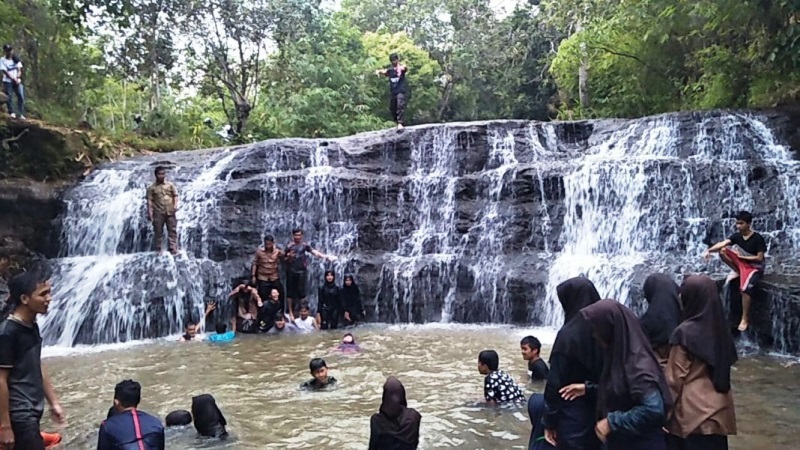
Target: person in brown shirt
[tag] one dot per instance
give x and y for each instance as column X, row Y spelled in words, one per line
column 265, row 271
column 162, row 202
column 699, row 371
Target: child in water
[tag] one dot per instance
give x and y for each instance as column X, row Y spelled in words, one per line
column 321, row 380
column 348, row 344
column 222, row 335
column 305, row 323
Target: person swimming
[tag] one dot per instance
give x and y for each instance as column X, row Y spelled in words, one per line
column 179, row 418
column 348, row 344
column 208, row 419
column 321, row 380
column 222, row 334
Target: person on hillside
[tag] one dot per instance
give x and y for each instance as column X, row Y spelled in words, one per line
column 265, row 272
column 24, row 385
column 11, row 68
column 297, row 261
column 744, row 252
column 130, row 428
column 162, row 203
column 398, row 88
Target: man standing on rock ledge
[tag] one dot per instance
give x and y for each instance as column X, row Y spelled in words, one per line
column 162, row 203
column 398, row 88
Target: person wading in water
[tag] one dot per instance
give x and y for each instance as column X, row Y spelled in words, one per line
column 398, row 87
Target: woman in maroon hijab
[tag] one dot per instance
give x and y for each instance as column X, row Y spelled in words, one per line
column 633, row 396
column 395, row 426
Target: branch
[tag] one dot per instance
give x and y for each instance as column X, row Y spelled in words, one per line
column 625, row 55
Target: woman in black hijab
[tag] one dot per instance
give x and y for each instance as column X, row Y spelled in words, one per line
column 663, row 313
column 329, row 304
column 208, row 419
column 575, row 365
column 699, row 371
column 633, row 397
column 395, row 426
column 351, row 300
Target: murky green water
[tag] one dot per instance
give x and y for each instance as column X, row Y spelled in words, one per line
column 255, row 381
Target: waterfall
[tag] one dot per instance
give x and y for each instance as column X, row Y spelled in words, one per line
column 472, row 222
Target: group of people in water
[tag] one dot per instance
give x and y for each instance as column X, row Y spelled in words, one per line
column 614, row 382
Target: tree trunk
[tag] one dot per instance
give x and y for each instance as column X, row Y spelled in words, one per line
column 583, row 78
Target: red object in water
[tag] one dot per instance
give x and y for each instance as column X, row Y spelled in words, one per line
column 51, row 439
column 743, row 268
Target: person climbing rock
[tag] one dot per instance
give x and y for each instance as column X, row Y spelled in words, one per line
column 162, row 203
column 744, row 252
column 398, row 87
column 11, row 69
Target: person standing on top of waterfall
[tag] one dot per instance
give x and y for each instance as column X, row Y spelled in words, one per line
column 398, row 87
column 162, row 203
column 265, row 272
column 744, row 252
column 297, row 269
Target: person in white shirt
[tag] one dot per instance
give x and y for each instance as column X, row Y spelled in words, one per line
column 11, row 68
column 305, row 323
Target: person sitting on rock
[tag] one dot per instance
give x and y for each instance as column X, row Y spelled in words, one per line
column 248, row 303
column 744, row 252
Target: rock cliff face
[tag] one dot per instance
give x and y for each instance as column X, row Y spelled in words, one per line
column 469, row 222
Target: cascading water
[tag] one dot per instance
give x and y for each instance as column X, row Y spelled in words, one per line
column 458, row 222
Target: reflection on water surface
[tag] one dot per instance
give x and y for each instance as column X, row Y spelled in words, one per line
column 255, row 381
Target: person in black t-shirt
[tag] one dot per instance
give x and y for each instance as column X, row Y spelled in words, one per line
column 531, row 349
column 321, row 380
column 398, row 87
column 744, row 252
column 24, row 385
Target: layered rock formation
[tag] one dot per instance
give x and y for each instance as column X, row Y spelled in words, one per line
column 472, row 222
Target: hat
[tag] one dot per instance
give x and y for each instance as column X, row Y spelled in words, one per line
column 7, row 48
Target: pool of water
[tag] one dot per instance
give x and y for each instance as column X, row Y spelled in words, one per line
column 255, row 381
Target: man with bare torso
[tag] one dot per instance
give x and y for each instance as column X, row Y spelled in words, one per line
column 265, row 272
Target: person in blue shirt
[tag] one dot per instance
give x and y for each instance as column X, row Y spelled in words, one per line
column 129, row 428
column 222, row 335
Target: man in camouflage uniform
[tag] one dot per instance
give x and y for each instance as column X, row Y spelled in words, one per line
column 162, row 202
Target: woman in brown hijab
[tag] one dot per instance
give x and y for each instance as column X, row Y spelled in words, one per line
column 395, row 426
column 699, row 371
column 633, row 397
